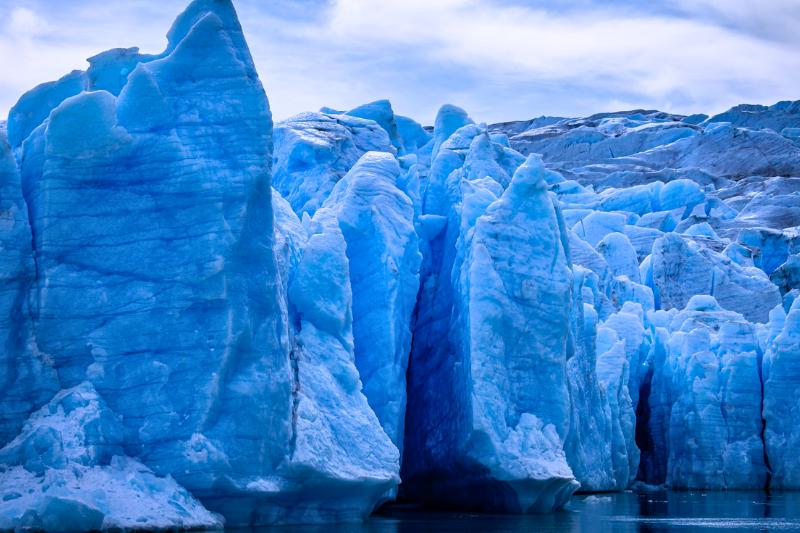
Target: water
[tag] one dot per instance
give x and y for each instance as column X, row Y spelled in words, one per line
column 621, row 512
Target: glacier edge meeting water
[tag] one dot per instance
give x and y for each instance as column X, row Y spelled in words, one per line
column 211, row 320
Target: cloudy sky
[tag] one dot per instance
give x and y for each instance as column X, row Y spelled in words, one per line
column 499, row 59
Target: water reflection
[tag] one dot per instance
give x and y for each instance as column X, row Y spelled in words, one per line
column 626, row 512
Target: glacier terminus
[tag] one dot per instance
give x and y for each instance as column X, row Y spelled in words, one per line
column 211, row 320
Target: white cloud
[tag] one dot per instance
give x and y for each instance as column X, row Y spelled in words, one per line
column 773, row 20
column 23, row 23
column 41, row 40
column 500, row 60
column 655, row 56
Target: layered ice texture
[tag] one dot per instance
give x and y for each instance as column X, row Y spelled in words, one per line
column 207, row 319
column 480, row 422
column 154, row 279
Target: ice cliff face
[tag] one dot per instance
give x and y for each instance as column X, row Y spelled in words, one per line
column 714, row 425
column 156, row 281
column 780, row 374
column 230, row 322
column 506, row 437
column 27, row 375
column 376, row 219
column 126, row 289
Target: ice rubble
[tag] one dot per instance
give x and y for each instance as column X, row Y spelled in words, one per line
column 229, row 322
column 67, row 471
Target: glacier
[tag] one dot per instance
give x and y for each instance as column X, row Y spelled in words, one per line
column 376, row 220
column 142, row 301
column 507, row 439
column 210, row 320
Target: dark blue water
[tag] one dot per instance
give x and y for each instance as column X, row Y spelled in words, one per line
column 625, row 512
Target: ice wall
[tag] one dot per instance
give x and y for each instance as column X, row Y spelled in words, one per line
column 423, row 309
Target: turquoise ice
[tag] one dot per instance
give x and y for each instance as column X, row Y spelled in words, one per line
column 236, row 323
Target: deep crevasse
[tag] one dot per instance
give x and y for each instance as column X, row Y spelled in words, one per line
column 496, row 314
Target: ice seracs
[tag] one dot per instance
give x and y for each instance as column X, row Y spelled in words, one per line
column 158, row 282
column 682, row 268
column 714, row 431
column 781, row 374
column 313, row 151
column 230, row 323
column 155, row 270
column 487, row 421
column 377, row 221
column 588, row 444
column 340, row 460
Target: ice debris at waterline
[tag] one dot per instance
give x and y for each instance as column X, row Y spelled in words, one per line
column 475, row 317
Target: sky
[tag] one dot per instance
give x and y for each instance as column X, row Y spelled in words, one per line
column 499, row 59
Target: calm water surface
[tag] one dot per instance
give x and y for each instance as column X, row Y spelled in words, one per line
column 625, row 512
